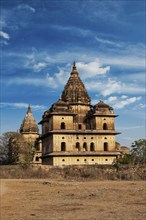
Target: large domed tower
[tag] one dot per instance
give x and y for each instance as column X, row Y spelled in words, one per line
column 74, row 132
column 76, row 95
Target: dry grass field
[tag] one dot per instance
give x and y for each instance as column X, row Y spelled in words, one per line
column 45, row 199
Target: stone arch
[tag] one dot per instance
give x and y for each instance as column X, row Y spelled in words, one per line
column 105, row 127
column 62, row 126
column 63, row 146
column 105, row 146
column 84, row 146
column 37, row 158
column 79, row 126
column 78, row 146
column 92, row 146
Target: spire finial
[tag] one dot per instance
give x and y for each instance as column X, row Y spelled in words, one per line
column 74, row 70
column 74, row 64
column 29, row 109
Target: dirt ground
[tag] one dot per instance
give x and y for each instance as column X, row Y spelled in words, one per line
column 72, row 200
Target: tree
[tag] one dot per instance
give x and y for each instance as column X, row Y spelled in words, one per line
column 125, row 159
column 137, row 156
column 138, row 151
column 3, row 149
column 18, row 150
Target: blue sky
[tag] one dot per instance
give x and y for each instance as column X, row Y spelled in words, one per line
column 41, row 39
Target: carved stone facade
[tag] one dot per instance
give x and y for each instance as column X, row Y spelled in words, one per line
column 76, row 133
column 30, row 132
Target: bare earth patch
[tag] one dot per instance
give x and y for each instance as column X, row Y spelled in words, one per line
column 72, row 200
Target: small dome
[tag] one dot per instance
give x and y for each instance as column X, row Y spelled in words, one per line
column 101, row 104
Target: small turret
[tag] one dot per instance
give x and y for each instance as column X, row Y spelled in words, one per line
column 29, row 124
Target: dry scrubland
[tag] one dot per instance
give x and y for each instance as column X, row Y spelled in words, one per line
column 71, row 194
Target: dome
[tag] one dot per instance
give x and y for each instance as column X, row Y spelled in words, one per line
column 101, row 104
column 60, row 106
column 75, row 91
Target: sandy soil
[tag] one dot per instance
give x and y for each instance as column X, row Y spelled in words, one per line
column 72, row 200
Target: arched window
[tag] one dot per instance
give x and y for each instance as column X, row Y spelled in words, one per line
column 78, row 146
column 80, row 126
column 37, row 159
column 84, row 146
column 62, row 126
column 105, row 146
column 105, row 126
column 63, row 146
column 92, row 147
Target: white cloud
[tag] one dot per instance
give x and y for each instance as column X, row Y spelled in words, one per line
column 134, row 77
column 129, row 55
column 74, row 30
column 122, row 103
column 4, row 35
column 111, row 99
column 50, row 81
column 124, row 96
column 141, row 105
column 26, row 7
column 62, row 75
column 47, row 81
column 119, row 102
column 91, row 69
column 112, row 86
column 21, row 105
column 36, row 61
column 108, row 86
column 133, row 89
column 39, row 66
column 129, row 61
column 109, row 42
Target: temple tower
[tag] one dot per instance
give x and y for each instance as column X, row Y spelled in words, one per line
column 76, row 95
column 29, row 128
column 30, row 133
column 76, row 133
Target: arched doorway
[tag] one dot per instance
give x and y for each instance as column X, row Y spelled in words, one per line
column 105, row 127
column 84, row 146
column 78, row 146
column 92, row 147
column 63, row 146
column 62, row 126
column 105, row 146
